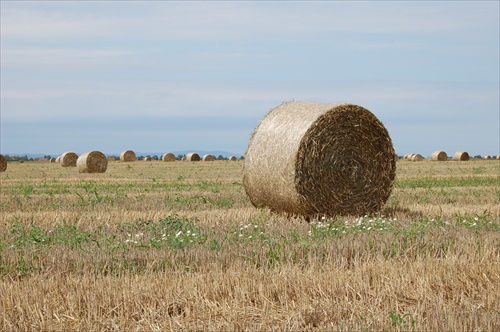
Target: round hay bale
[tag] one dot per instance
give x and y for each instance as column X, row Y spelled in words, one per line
column 168, row 157
column 147, row 159
column 498, row 157
column 208, row 157
column 233, row 158
column 193, row 157
column 58, row 159
column 417, row 157
column 92, row 162
column 439, row 156
column 461, row 156
column 3, row 163
column 52, row 160
column 487, row 157
column 406, row 157
column 128, row 156
column 68, row 159
column 307, row 158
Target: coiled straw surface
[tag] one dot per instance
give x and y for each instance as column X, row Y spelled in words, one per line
column 68, row 159
column 128, row 156
column 92, row 162
column 328, row 159
column 208, row 157
column 3, row 163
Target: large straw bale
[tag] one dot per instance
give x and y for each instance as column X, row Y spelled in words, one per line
column 68, row 159
column 147, row 159
column 111, row 158
column 3, row 163
column 417, row 157
column 52, row 160
column 168, row 157
column 498, row 157
column 233, row 158
column 58, row 159
column 439, row 156
column 128, row 156
column 461, row 156
column 208, row 157
column 193, row 157
column 487, row 157
column 310, row 159
column 92, row 162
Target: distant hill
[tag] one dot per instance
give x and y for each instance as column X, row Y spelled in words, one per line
column 215, row 153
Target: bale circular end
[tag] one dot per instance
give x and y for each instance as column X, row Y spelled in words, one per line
column 208, row 157
column 68, row 159
column 439, row 156
column 3, row 163
column 52, row 160
column 320, row 159
column 92, row 162
column 168, row 157
column 461, row 156
column 193, row 157
column 128, row 156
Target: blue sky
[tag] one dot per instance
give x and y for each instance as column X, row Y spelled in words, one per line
column 169, row 76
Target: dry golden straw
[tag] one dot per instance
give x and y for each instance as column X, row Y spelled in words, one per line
column 439, row 156
column 193, row 157
column 128, row 156
column 168, row 157
column 92, row 162
column 111, row 158
column 68, row 159
column 52, row 160
column 328, row 159
column 58, row 159
column 233, row 158
column 3, row 163
column 461, row 156
column 208, row 157
column 147, row 159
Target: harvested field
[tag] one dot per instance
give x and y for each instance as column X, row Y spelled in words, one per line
column 179, row 246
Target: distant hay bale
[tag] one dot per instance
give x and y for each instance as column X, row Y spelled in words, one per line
column 417, row 157
column 208, row 157
column 111, row 158
column 52, row 160
column 3, row 163
column 461, row 156
column 128, row 156
column 183, row 158
column 233, row 158
column 439, row 156
column 147, row 159
column 407, row 157
column 307, row 158
column 168, row 157
column 487, row 157
column 193, row 157
column 498, row 157
column 68, row 159
column 92, row 162
column 58, row 159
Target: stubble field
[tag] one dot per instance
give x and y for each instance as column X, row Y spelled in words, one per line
column 155, row 246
